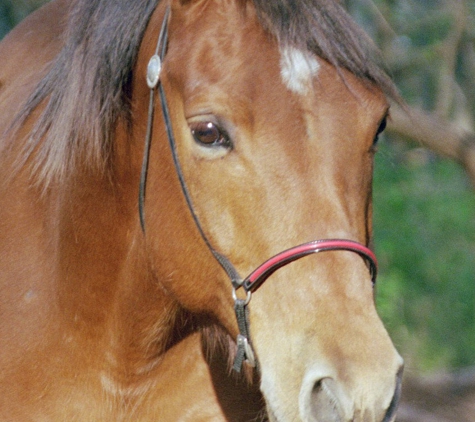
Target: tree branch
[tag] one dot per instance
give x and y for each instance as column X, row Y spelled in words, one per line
column 449, row 50
column 436, row 133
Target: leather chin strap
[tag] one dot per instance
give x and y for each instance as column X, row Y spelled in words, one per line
column 254, row 280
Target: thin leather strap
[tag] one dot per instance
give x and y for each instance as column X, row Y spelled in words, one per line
column 222, row 260
column 245, row 351
column 153, row 78
column 153, row 82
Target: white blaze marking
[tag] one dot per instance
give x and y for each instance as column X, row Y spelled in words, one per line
column 297, row 69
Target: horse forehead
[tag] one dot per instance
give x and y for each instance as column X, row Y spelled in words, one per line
column 236, row 56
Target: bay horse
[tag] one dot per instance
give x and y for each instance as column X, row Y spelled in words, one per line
column 152, row 154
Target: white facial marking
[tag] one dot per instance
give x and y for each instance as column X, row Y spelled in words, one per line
column 297, row 69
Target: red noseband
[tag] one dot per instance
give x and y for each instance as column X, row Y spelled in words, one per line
column 260, row 274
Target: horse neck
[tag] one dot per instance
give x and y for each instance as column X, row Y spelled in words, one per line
column 106, row 286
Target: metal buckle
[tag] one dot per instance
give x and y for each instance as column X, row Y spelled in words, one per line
column 153, row 71
column 243, row 342
column 248, row 297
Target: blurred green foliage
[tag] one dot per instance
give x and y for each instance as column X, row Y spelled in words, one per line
column 13, row 11
column 424, row 225
column 424, row 207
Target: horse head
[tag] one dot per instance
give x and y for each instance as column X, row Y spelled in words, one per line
column 274, row 147
column 243, row 220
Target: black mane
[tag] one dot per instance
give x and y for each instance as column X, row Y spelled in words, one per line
column 324, row 28
column 89, row 83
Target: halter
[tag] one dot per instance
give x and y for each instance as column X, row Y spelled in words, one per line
column 254, row 280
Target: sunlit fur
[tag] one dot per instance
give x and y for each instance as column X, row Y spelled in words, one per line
column 103, row 322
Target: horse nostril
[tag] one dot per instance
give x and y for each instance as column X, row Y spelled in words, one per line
column 325, row 401
column 392, row 409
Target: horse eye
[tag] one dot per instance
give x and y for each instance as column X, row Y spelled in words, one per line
column 382, row 126
column 380, row 130
column 210, row 135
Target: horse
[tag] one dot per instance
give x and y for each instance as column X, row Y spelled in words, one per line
column 185, row 219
